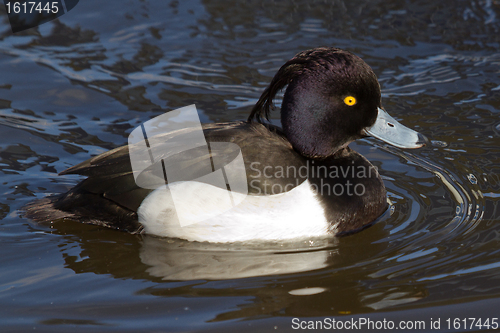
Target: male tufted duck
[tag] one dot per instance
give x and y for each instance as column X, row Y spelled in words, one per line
column 303, row 180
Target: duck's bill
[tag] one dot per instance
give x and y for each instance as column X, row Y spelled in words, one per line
column 391, row 131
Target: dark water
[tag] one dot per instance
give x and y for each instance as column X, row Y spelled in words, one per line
column 77, row 86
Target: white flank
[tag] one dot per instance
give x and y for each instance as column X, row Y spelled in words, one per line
column 289, row 215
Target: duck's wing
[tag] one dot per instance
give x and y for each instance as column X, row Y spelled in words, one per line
column 267, row 157
column 111, row 176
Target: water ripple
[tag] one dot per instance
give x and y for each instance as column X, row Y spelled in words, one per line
column 467, row 196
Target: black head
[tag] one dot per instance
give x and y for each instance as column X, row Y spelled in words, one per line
column 332, row 96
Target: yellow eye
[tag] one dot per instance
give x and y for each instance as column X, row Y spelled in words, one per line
column 349, row 100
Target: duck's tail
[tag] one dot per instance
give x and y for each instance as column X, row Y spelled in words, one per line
column 84, row 207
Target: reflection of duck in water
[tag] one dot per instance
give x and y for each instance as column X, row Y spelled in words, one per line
column 342, row 267
column 333, row 98
column 181, row 260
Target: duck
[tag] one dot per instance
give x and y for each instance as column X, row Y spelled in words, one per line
column 301, row 179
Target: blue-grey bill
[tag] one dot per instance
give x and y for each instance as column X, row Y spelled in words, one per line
column 391, row 131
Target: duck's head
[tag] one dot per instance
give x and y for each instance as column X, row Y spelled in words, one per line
column 333, row 98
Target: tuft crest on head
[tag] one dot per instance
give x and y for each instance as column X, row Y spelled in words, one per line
column 323, row 58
